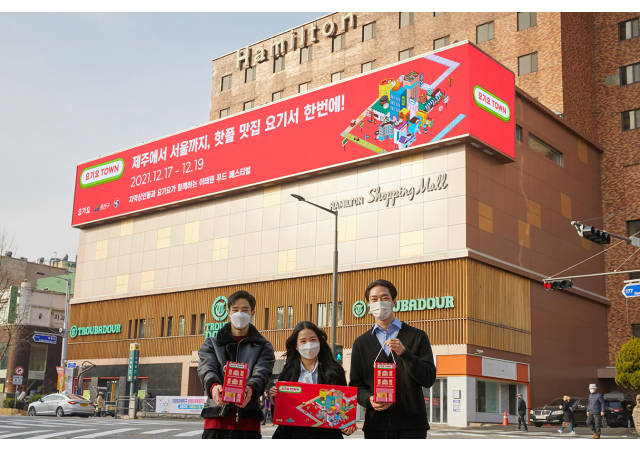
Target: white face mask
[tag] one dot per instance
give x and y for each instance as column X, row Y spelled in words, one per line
column 240, row 320
column 593, row 391
column 381, row 310
column 309, row 350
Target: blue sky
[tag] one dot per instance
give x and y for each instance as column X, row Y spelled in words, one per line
column 74, row 86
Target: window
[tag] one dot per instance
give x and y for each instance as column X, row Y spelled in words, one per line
column 38, row 358
column 435, row 14
column 405, row 54
column 322, row 315
column 250, row 74
column 513, row 399
column 519, row 133
column 280, row 318
column 633, row 228
column 290, row 317
column 277, row 96
column 278, row 64
column 366, row 67
column 142, row 329
column 527, row 20
column 150, row 334
column 181, row 326
column 194, row 322
column 339, row 318
column 226, row 83
column 630, row 120
column 162, row 327
column 248, row 105
column 5, row 360
column 484, row 33
column 629, row 74
column 202, row 320
column 129, row 334
column 442, row 42
column 169, row 326
column 338, row 42
column 224, row 112
column 306, row 54
column 487, row 397
column 635, row 328
column 135, row 329
column 368, row 31
column 266, row 318
column 628, row 30
column 304, row 87
column 545, row 149
column 337, row 76
column 406, row 19
column 528, row 63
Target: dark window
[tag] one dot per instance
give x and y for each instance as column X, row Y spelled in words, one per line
column 202, row 323
column 280, row 318
column 519, row 133
column 248, row 105
column 634, row 276
column 135, row 329
column 528, row 63
column 194, row 323
column 181, row 326
column 630, row 120
column 338, row 42
column 366, row 67
column 278, row 64
column 636, row 331
column 129, row 334
column 250, row 74
column 405, row 54
column 162, row 327
column 406, row 19
column 513, row 399
column 266, row 318
column 436, row 14
column 337, row 76
column 306, row 54
column 484, row 32
column 633, row 228
column 369, row 31
column 226, row 82
column 224, row 112
column 628, row 30
column 290, row 317
column 277, row 96
column 527, row 20
column 630, row 74
column 545, row 149
column 442, row 42
column 143, row 326
column 303, row 87
column 170, row 326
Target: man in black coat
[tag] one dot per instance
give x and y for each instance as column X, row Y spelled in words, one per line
column 522, row 412
column 407, row 416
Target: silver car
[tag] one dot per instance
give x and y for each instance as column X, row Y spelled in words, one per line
column 61, row 405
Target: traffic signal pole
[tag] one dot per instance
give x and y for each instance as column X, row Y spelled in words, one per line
column 546, row 280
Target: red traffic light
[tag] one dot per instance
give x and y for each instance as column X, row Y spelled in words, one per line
column 558, row 285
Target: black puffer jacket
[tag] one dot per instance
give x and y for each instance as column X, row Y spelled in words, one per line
column 253, row 350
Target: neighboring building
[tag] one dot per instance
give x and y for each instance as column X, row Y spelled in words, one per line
column 17, row 270
column 55, row 284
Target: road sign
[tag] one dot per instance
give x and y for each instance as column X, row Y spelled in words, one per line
column 45, row 338
column 72, row 365
column 631, row 290
column 19, row 370
column 17, row 380
column 134, row 356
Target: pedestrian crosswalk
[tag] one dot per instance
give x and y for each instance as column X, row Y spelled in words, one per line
column 105, row 433
column 190, row 433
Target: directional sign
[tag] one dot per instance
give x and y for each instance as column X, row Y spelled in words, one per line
column 17, row 380
column 632, row 290
column 45, row 338
column 134, row 357
column 19, row 370
column 72, row 365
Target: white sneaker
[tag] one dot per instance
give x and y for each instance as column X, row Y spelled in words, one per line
column 559, row 431
column 573, row 432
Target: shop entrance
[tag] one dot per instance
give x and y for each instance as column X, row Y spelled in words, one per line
column 435, row 400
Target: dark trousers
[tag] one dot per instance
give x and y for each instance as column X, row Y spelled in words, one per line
column 396, row 434
column 522, row 419
column 593, row 422
column 212, row 433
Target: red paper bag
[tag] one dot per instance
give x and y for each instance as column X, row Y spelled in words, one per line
column 235, row 379
column 315, row 405
column 384, row 378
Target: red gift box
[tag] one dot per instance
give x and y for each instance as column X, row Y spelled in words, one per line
column 235, row 379
column 384, row 379
column 315, row 405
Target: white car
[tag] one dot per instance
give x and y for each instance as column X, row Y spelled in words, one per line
column 61, row 405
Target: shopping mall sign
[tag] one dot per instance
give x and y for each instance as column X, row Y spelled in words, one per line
column 451, row 93
column 360, row 308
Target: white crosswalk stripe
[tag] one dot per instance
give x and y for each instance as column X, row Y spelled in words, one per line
column 11, row 435
column 162, row 430
column 10, row 426
column 105, row 433
column 60, row 433
column 189, row 433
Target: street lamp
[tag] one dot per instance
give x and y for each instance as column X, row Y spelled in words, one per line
column 65, row 331
column 334, row 302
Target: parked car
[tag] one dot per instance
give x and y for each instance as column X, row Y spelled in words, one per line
column 61, row 405
column 618, row 410
column 552, row 414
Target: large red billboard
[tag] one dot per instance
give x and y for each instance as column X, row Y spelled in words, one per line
column 445, row 94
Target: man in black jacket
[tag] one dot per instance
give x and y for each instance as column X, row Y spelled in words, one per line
column 415, row 369
column 522, row 412
column 238, row 341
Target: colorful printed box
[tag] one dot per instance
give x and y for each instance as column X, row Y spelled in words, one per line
column 235, row 379
column 384, row 390
column 315, row 405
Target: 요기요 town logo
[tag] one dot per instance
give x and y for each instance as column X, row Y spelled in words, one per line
column 359, row 309
column 219, row 308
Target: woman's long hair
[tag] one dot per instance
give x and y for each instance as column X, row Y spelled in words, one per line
column 330, row 368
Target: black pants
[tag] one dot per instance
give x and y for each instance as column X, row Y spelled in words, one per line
column 212, row 433
column 522, row 419
column 593, row 422
column 396, row 434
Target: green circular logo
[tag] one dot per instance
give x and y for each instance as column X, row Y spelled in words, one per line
column 219, row 309
column 359, row 309
column 73, row 332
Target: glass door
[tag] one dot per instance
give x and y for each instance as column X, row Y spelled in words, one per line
column 435, row 400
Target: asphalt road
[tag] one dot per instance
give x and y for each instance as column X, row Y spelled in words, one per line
column 50, row 427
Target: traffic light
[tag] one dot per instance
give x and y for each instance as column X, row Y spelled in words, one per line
column 557, row 285
column 338, row 354
column 594, row 235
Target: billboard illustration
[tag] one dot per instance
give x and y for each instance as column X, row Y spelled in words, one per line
column 454, row 92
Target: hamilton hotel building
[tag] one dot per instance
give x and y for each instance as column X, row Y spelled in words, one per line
column 467, row 255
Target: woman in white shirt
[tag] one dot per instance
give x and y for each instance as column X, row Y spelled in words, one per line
column 309, row 360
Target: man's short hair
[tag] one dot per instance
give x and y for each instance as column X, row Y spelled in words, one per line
column 238, row 295
column 392, row 289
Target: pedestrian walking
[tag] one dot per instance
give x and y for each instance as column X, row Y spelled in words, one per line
column 522, row 413
column 567, row 416
column 595, row 410
column 238, row 341
column 99, row 404
column 406, row 418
